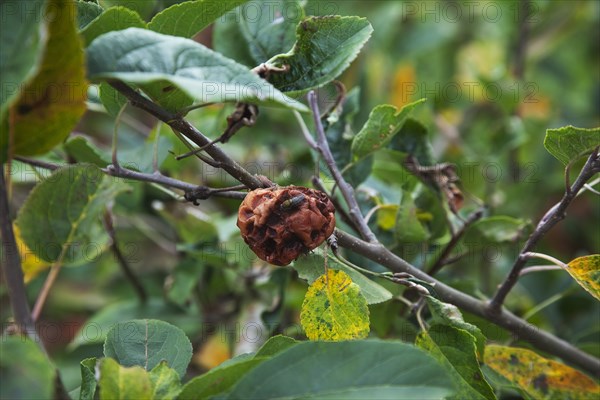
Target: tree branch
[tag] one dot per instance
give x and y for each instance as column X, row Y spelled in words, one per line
column 157, row 178
column 517, row 326
column 189, row 131
column 345, row 188
column 11, row 267
column 552, row 217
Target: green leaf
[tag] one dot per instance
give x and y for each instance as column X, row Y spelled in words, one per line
column 496, row 229
column 586, row 271
column 456, row 350
column 409, row 228
column 334, row 309
column 187, row 19
column 177, row 71
column 52, row 102
column 324, row 48
column 218, row 380
column 95, row 329
column 87, row 11
column 113, row 19
column 310, row 267
column 569, row 143
column 25, row 372
column 146, row 343
column 21, row 41
column 60, row 220
column 88, row 379
column 185, row 277
column 270, row 27
column 111, row 99
column 384, row 122
column 119, row 382
column 83, row 151
column 165, row 382
column 140, row 158
column 413, row 139
column 540, row 377
column 276, row 345
column 229, row 40
column 145, row 8
column 449, row 314
column 344, row 367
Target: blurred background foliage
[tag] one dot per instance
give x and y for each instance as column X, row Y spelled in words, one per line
column 493, row 86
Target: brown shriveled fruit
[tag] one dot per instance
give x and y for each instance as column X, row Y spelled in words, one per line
column 281, row 223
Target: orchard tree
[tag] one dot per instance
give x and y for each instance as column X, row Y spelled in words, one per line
column 278, row 199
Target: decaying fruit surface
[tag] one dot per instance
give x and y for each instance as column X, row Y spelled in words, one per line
column 281, row 223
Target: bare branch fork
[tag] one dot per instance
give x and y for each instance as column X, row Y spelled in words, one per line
column 376, row 252
column 552, row 217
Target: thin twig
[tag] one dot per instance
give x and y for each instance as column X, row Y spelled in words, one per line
column 157, row 178
column 554, row 215
column 122, row 261
column 305, row 132
column 48, row 283
column 11, row 267
column 441, row 260
column 345, row 188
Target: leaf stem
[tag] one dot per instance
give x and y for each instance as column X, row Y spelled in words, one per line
column 540, row 268
column 546, row 257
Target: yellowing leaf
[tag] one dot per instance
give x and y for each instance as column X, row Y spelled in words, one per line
column 335, row 309
column 31, row 264
column 535, row 106
column 586, row 271
column 539, row 377
column 118, row 382
column 53, row 101
column 213, row 352
column 386, row 216
column 403, row 85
